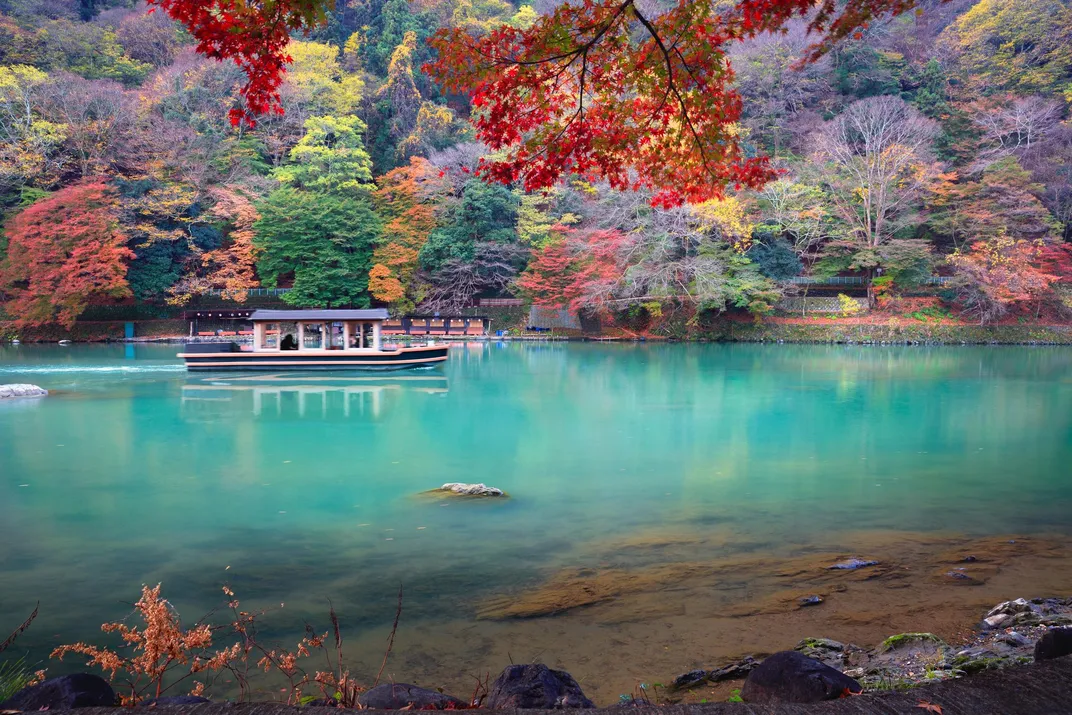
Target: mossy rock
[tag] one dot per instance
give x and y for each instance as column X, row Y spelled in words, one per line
column 819, row 644
column 902, row 640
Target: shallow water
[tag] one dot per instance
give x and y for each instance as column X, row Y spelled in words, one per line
column 300, row 489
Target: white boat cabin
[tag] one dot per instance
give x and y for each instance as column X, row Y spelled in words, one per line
column 316, row 331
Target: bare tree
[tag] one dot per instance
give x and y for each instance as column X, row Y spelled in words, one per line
column 879, row 160
column 1013, row 127
column 99, row 115
column 773, row 84
column 493, row 268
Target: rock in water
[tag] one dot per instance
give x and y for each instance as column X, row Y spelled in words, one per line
column 791, row 677
column 21, row 390
column 734, row 671
column 536, row 686
column 1054, row 643
column 472, row 490
column 852, row 565
column 689, row 680
column 402, row 696
column 81, row 690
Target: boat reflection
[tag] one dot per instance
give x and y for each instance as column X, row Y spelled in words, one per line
column 305, row 396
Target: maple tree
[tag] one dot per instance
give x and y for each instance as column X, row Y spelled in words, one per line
column 64, row 251
column 231, row 268
column 598, row 88
column 996, row 274
column 406, row 200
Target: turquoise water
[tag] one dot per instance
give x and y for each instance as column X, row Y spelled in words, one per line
column 303, row 489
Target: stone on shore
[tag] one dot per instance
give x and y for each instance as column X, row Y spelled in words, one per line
column 8, row 392
column 536, row 686
column 791, row 677
column 1054, row 643
column 403, row 696
column 80, row 690
column 472, row 490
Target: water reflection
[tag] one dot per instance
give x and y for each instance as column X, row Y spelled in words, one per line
column 304, row 396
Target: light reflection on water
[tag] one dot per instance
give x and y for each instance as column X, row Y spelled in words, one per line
column 307, row 487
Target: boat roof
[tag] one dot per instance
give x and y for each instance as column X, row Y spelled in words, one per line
column 316, row 315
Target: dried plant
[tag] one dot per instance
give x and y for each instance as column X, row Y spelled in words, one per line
column 161, row 657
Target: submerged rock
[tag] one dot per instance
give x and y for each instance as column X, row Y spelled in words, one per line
column 852, row 565
column 472, row 490
column 402, row 696
column 958, row 575
column 80, row 690
column 536, row 686
column 792, row 677
column 1054, row 643
column 21, row 390
column 689, row 680
column 734, row 671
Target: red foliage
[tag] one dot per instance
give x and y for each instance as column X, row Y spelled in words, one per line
column 64, row 251
column 998, row 274
column 578, row 272
column 576, row 93
column 252, row 35
column 1056, row 260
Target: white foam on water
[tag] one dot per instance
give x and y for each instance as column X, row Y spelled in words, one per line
column 91, row 369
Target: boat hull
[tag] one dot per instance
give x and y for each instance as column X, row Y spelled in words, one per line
column 302, row 361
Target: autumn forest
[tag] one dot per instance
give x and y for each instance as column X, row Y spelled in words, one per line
column 927, row 148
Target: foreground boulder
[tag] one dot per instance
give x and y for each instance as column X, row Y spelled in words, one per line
column 1054, row 643
column 472, row 490
column 536, row 686
column 80, row 690
column 8, row 392
column 791, row 677
column 402, row 696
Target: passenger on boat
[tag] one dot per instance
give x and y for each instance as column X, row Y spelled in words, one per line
column 288, row 342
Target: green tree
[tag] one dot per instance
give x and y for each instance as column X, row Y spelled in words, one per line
column 1019, row 45
column 486, row 213
column 320, row 242
column 92, row 52
column 330, row 157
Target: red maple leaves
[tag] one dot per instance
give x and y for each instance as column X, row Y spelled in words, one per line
column 597, row 89
column 64, row 251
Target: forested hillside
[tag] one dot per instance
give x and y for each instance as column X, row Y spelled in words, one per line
column 937, row 143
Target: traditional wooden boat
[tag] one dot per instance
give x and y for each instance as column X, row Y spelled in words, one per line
column 313, row 340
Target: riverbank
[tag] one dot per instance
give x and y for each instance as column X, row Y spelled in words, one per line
column 831, row 331
column 1020, row 639
column 1039, row 688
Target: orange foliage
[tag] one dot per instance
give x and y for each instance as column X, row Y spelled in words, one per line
column 406, row 199
column 65, row 251
column 999, row 273
column 158, row 648
column 163, row 655
column 231, row 268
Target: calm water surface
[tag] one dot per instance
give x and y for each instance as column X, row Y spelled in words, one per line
column 300, row 489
